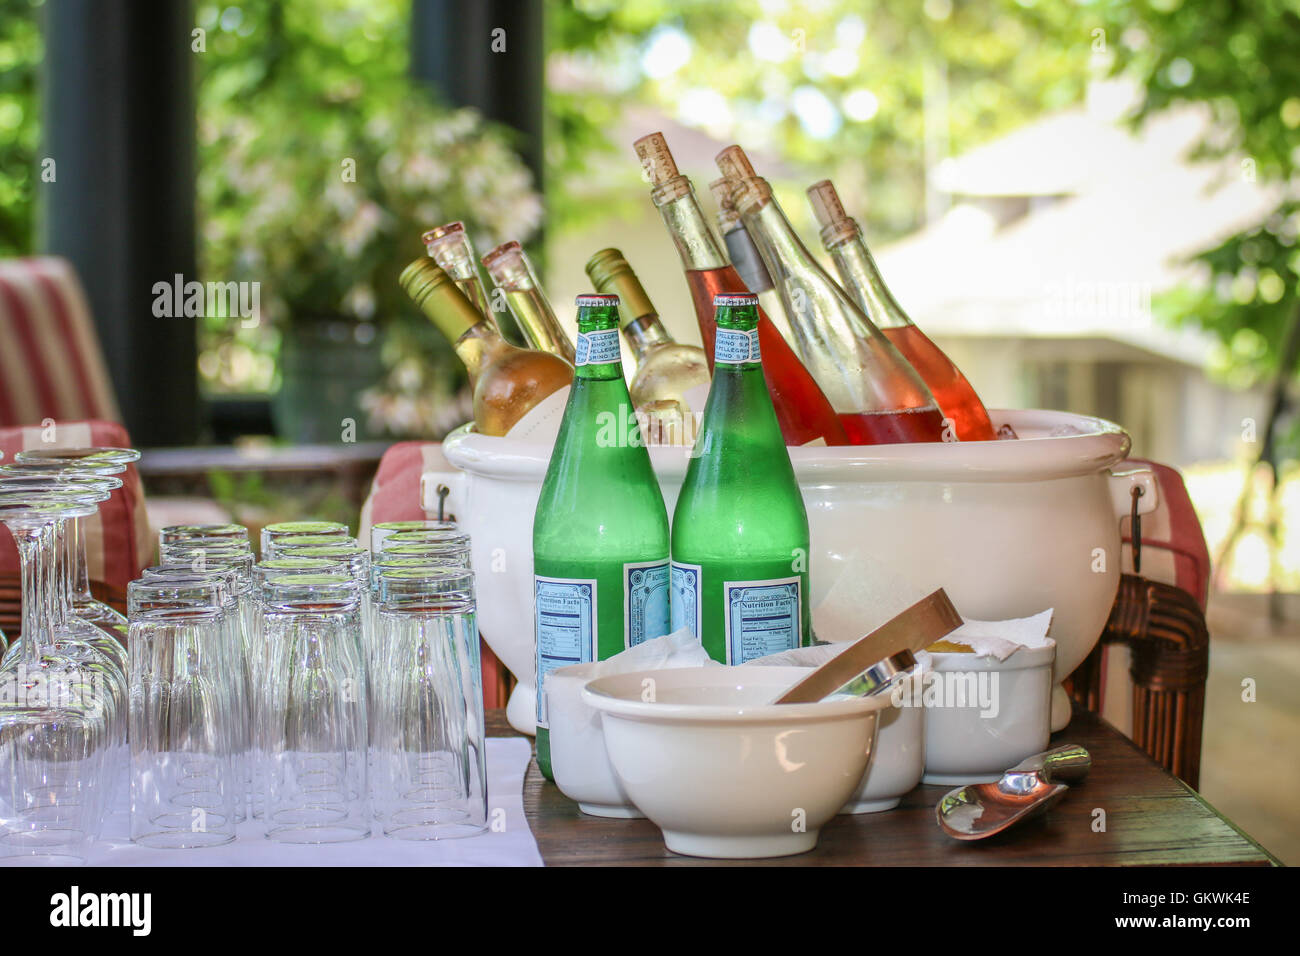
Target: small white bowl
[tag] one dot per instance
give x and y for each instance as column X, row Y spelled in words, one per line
column 974, row 743
column 578, row 759
column 720, row 769
column 897, row 761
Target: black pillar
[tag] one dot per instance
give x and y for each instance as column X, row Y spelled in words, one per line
column 455, row 47
column 118, row 122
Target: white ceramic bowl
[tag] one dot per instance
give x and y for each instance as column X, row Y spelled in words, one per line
column 974, row 743
column 578, row 758
column 1007, row 527
column 723, row 772
column 897, row 761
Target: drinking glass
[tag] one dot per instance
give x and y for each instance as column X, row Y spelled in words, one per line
column 385, row 529
column 277, row 546
column 288, row 529
column 232, row 583
column 186, row 789
column 258, row 660
column 182, row 532
column 436, row 552
column 314, row 707
column 430, row 764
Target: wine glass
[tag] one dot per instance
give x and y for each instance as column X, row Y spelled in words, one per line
column 58, row 713
column 100, row 461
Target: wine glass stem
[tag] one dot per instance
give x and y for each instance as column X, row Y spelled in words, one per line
column 35, row 593
column 79, row 564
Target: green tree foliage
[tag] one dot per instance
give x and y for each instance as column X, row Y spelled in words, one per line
column 20, row 56
column 839, row 86
column 1240, row 60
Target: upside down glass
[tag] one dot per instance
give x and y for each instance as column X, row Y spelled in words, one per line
column 314, row 709
column 431, row 773
column 185, row 782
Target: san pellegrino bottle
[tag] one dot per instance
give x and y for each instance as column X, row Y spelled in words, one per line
column 666, row 370
column 842, row 238
column 600, row 532
column 740, row 531
column 508, row 382
column 513, row 273
column 878, row 396
column 803, row 411
column 747, row 260
column 449, row 246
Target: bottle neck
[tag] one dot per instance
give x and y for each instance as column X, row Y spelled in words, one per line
column 735, row 349
column 538, row 321
column 645, row 333
column 681, row 213
column 642, row 326
column 862, row 279
column 747, row 260
column 511, row 272
column 472, row 287
column 599, row 356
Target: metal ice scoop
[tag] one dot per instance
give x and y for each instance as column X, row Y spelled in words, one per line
column 982, row 809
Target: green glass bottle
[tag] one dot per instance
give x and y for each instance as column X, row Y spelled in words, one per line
column 600, row 533
column 740, row 531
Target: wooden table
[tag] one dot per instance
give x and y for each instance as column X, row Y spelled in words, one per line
column 1151, row 819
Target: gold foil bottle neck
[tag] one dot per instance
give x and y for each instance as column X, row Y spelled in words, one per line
column 609, row 271
column 438, row 297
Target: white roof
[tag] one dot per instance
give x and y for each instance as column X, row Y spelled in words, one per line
column 1127, row 209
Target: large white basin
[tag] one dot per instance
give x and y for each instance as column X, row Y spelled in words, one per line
column 1008, row 528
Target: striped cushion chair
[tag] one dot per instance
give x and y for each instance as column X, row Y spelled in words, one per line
column 51, row 366
column 118, row 541
column 395, row 496
column 1147, row 674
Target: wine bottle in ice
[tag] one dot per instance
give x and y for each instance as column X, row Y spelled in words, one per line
column 805, row 414
column 842, row 238
column 514, row 275
column 878, row 396
column 666, row 370
column 747, row 260
column 740, row 531
column 600, row 532
column 508, row 382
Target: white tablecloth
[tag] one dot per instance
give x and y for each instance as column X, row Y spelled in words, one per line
column 512, row 845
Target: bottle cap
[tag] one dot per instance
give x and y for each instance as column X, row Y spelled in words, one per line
column 509, row 267
column 748, row 190
column 836, row 224
column 734, row 299
column 443, row 232
column 421, row 277
column 660, row 169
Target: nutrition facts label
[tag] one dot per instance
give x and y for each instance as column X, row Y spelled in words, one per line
column 566, row 628
column 763, row 617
